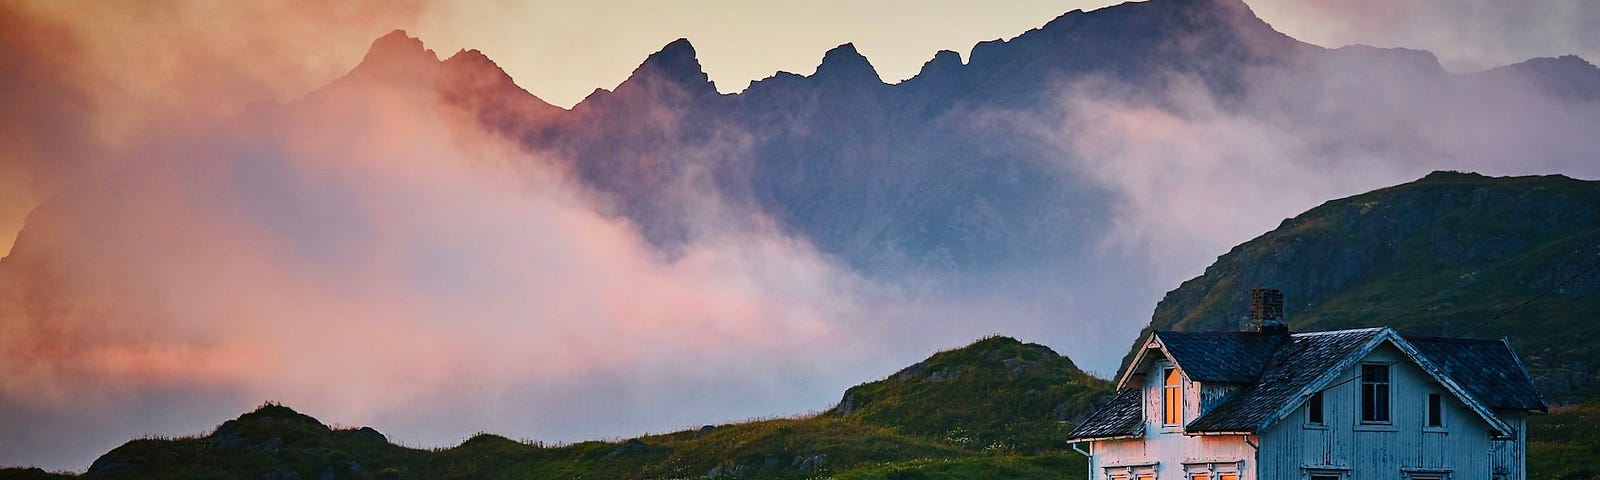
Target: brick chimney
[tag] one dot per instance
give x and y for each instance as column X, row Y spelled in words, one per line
column 1266, row 311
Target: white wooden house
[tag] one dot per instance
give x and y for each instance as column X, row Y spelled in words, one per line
column 1362, row 404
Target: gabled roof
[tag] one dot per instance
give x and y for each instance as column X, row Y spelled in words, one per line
column 1488, row 369
column 1279, row 372
column 1122, row 418
column 1300, row 362
column 1229, row 357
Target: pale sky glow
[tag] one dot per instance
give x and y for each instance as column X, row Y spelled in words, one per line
column 561, row 51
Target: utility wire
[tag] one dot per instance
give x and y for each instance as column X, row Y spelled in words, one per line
column 1592, row 267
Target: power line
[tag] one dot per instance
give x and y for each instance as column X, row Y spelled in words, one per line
column 1592, row 267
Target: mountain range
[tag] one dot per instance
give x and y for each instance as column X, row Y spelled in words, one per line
column 1051, row 185
column 939, row 173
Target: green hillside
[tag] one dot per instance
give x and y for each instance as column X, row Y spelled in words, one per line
column 996, row 395
column 991, row 412
column 1451, row 254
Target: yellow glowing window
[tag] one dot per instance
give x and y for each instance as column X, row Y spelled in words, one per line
column 1229, row 476
column 1200, row 476
column 1172, row 398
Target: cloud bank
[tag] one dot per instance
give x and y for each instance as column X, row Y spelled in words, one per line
column 370, row 255
column 1468, row 35
column 1196, row 171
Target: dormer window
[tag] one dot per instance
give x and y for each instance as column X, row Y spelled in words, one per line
column 1172, row 398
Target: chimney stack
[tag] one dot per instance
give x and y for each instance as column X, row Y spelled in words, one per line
column 1266, row 311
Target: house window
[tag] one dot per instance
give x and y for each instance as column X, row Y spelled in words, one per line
column 1172, row 398
column 1314, row 409
column 1324, row 474
column 1435, row 410
column 1374, row 393
column 1136, row 472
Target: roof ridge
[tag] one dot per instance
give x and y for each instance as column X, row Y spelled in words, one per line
column 1449, row 339
column 1329, row 332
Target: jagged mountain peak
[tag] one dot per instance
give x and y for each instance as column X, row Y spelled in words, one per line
column 473, row 63
column 470, row 76
column 845, row 62
column 397, row 50
column 675, row 63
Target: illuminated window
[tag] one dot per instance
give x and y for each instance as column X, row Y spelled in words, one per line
column 1172, row 398
column 1374, row 393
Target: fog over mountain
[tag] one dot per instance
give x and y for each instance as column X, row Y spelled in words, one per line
column 424, row 246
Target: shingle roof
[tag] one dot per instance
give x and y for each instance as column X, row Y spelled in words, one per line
column 1296, row 363
column 1278, row 370
column 1487, row 369
column 1232, row 357
column 1123, row 417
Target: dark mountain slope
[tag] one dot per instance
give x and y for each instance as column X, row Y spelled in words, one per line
column 1452, row 254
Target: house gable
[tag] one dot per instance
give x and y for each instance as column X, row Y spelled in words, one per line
column 1212, row 357
column 1484, row 376
column 1310, row 363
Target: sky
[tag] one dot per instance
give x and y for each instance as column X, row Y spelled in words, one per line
column 127, row 62
column 359, row 271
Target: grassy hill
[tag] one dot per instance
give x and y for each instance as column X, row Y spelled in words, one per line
column 1451, row 254
column 996, row 395
column 986, row 411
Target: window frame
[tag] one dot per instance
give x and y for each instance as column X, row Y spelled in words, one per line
column 1316, row 473
column 1317, row 410
column 1171, row 404
column 1376, row 393
column 1211, row 470
column 1131, row 472
column 1433, row 412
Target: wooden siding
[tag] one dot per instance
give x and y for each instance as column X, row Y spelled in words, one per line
column 1510, row 456
column 1462, row 447
column 1166, row 450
